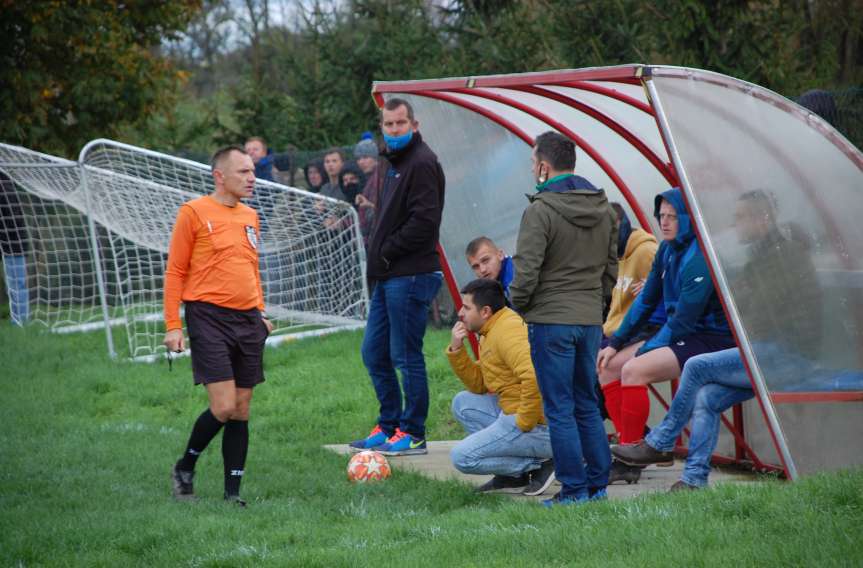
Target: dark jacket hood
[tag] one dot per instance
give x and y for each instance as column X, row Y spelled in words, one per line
column 624, row 229
column 685, row 231
column 319, row 165
column 575, row 199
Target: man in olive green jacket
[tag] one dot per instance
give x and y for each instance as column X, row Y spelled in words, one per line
column 501, row 408
column 565, row 264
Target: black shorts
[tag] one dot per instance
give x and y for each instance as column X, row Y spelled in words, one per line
column 226, row 344
column 699, row 343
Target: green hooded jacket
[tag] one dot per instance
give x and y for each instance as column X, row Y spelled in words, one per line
column 566, row 254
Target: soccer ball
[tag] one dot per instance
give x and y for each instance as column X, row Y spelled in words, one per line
column 368, row 466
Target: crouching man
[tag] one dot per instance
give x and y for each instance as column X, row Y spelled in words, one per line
column 501, row 410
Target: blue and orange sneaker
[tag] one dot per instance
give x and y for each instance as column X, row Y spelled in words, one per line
column 402, row 444
column 375, row 438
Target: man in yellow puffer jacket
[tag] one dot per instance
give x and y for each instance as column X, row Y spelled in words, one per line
column 501, row 410
column 636, row 250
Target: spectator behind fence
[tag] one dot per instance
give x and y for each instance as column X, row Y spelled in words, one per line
column 352, row 179
column 314, row 174
column 696, row 324
column 404, row 265
column 487, row 260
column 334, row 160
column 565, row 264
column 262, row 157
column 13, row 244
column 367, row 156
column 501, row 410
column 774, row 292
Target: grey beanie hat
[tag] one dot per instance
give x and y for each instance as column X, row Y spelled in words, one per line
column 366, row 149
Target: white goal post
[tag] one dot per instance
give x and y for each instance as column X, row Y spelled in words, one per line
column 94, row 237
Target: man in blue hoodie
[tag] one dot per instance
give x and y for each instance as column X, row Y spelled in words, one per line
column 486, row 260
column 775, row 292
column 695, row 321
column 261, row 156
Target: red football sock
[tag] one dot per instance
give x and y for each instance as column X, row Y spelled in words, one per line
column 612, row 394
column 634, row 410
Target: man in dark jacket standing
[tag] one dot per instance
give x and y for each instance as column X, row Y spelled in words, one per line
column 404, row 265
column 565, row 264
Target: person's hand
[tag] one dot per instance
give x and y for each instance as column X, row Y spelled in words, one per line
column 269, row 325
column 605, row 355
column 637, row 287
column 459, row 333
column 361, row 201
column 330, row 222
column 174, row 341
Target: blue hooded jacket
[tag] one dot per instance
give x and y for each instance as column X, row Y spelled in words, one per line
column 679, row 277
column 264, row 167
column 507, row 273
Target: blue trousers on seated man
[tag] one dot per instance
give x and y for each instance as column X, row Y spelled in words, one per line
column 710, row 384
column 501, row 410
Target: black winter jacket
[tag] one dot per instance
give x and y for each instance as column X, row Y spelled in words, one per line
column 404, row 237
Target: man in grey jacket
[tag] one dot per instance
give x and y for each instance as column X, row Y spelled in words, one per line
column 565, row 264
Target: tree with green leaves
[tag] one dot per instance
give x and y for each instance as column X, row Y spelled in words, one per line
column 76, row 70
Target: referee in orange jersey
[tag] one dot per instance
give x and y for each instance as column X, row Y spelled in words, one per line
column 213, row 270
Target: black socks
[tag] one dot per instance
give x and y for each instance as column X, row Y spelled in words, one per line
column 205, row 429
column 235, row 446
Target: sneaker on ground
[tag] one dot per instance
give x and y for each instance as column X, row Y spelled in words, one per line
column 558, row 500
column 642, row 454
column 623, row 472
column 540, row 479
column 235, row 500
column 682, row 486
column 182, row 483
column 375, row 438
column 402, row 444
column 504, row 484
column 599, row 495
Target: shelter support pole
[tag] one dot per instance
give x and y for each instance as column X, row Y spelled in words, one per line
column 452, row 286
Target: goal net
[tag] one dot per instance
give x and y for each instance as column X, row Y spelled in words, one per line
column 48, row 254
column 117, row 207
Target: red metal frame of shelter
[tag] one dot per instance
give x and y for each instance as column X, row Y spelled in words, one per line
column 601, row 81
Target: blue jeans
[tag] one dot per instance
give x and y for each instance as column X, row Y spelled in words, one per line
column 394, row 340
column 495, row 445
column 709, row 385
column 15, row 268
column 564, row 357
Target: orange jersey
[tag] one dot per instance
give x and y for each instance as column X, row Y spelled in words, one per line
column 213, row 258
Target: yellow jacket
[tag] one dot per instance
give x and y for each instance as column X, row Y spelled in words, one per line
column 504, row 368
column 634, row 266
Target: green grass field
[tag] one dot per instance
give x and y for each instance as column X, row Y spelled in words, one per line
column 87, row 444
